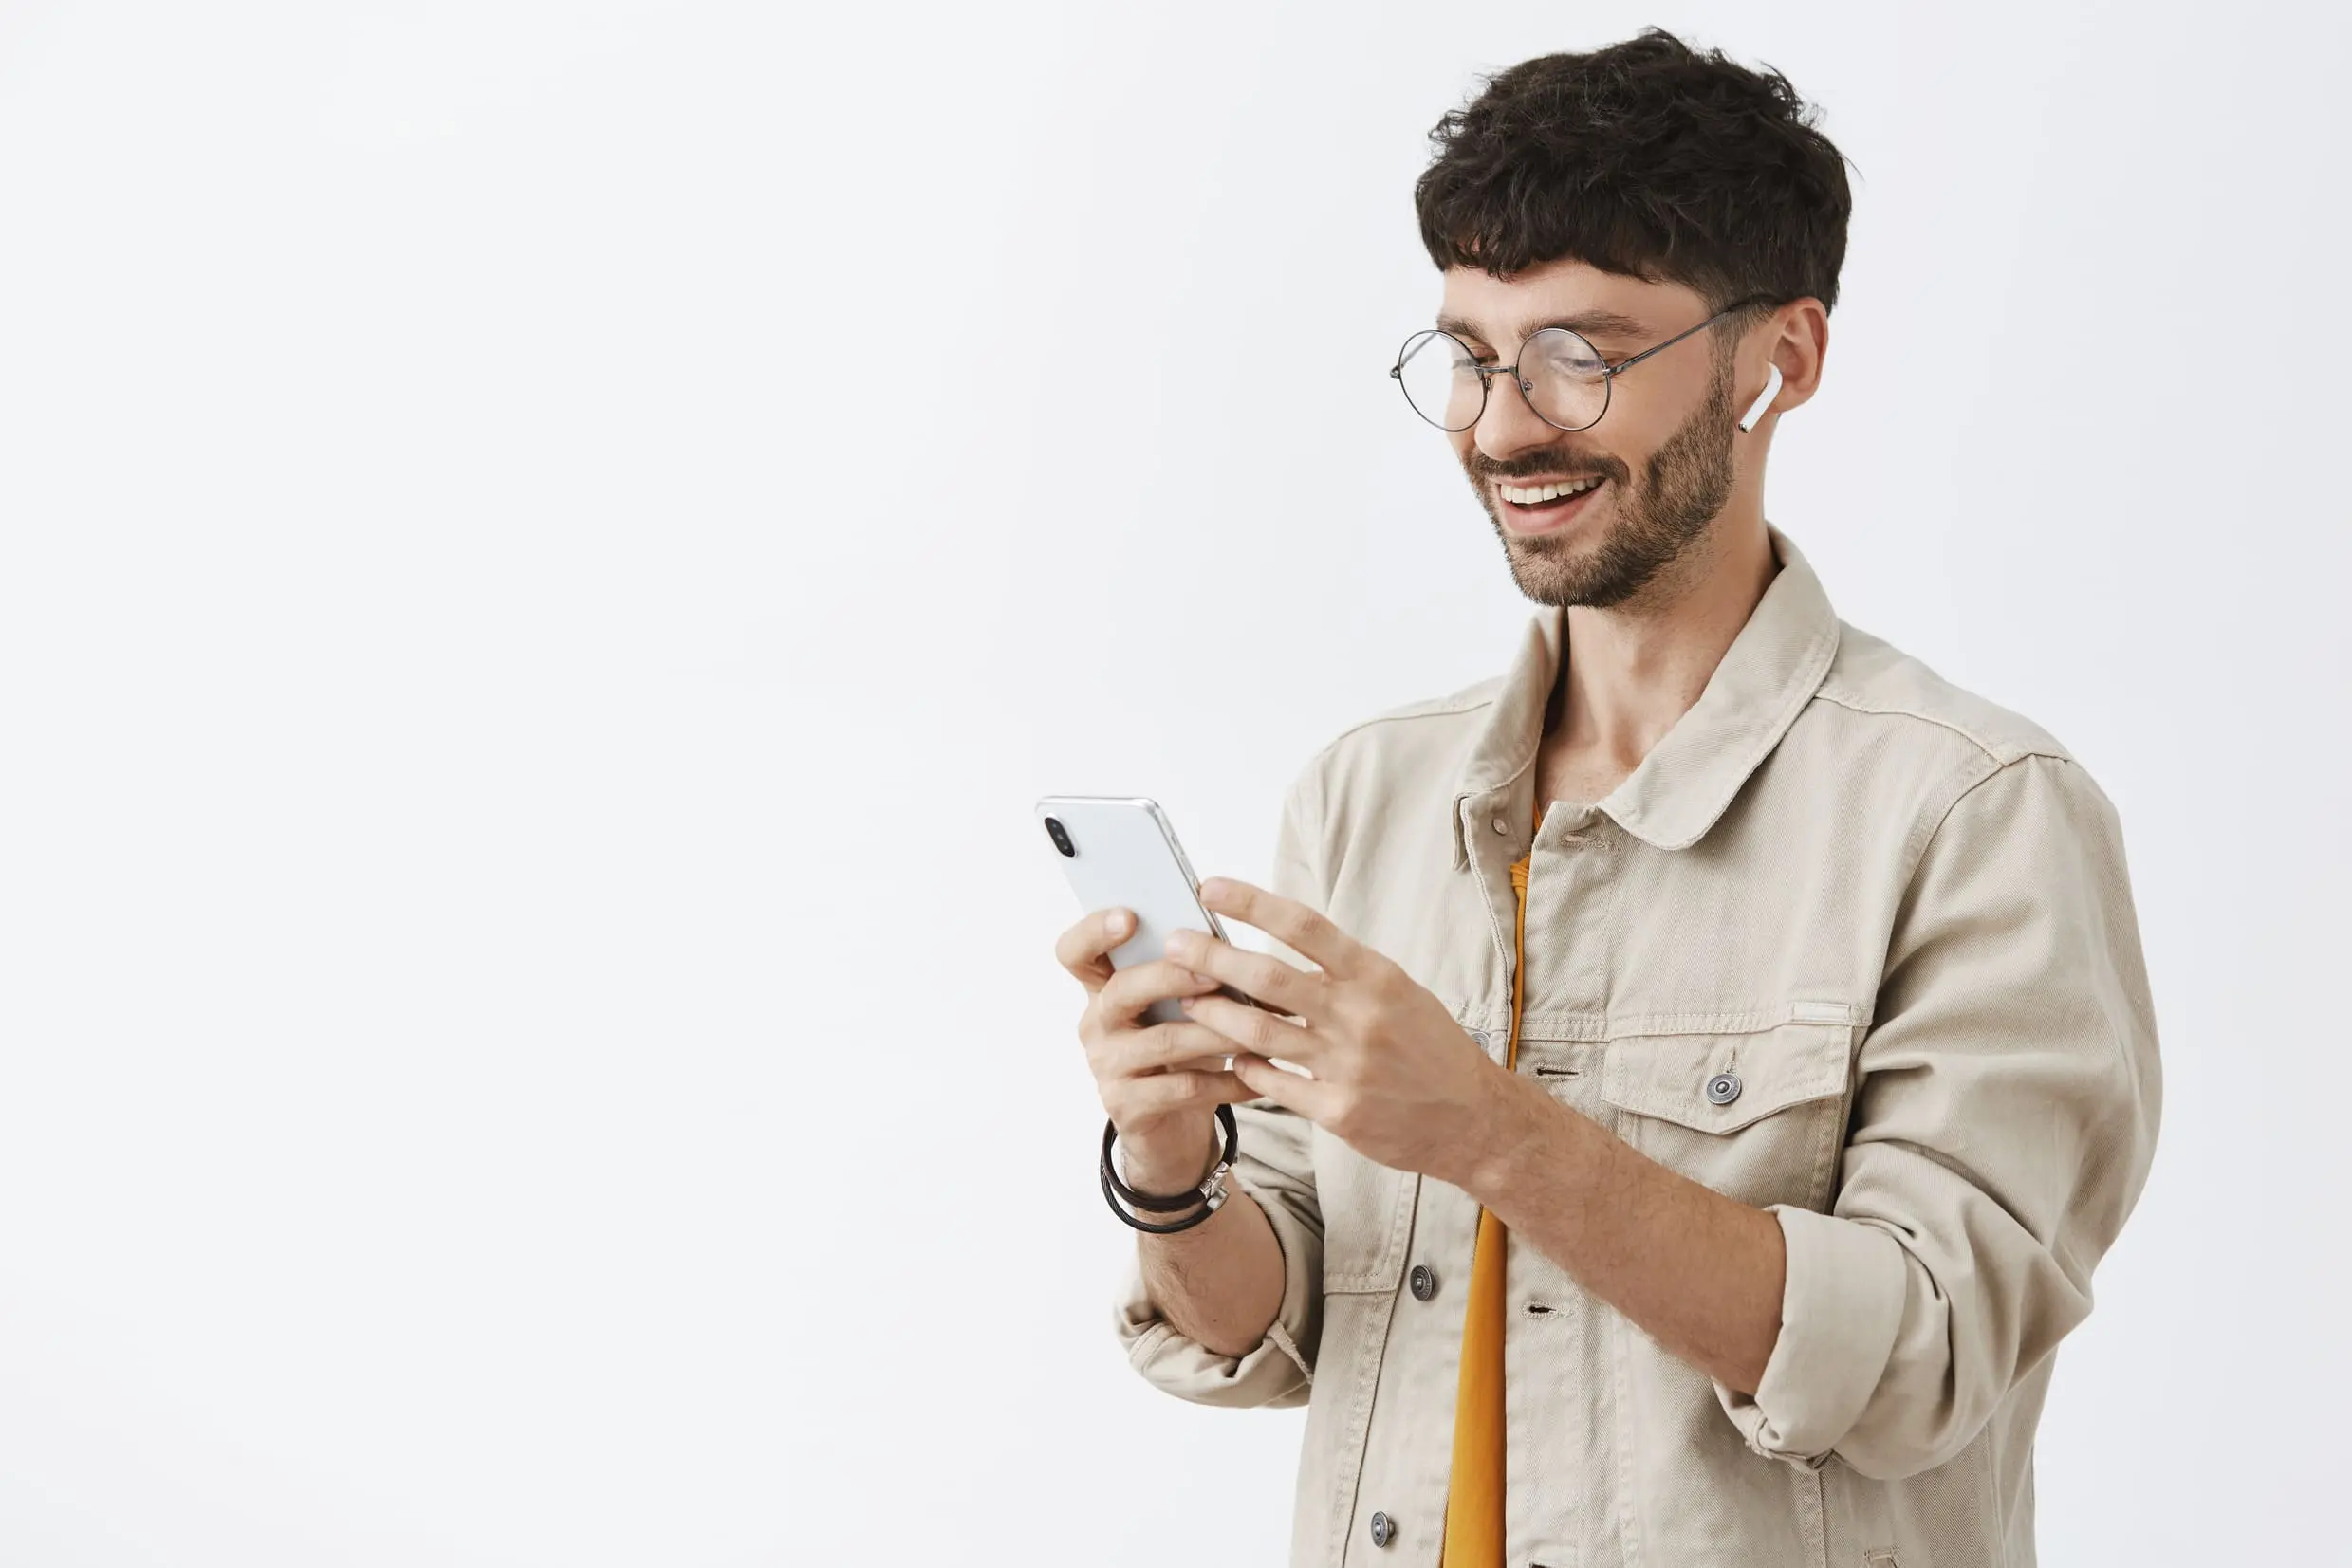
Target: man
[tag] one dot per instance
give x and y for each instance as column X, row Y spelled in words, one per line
column 1722, row 1047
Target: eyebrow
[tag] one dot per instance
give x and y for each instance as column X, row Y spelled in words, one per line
column 1592, row 323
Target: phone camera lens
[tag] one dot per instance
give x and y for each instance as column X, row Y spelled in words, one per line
column 1061, row 837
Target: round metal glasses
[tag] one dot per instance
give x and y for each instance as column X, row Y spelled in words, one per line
column 1564, row 379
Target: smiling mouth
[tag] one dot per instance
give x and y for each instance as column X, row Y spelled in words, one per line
column 1536, row 495
column 1543, row 507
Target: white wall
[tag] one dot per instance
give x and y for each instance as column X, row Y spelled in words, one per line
column 545, row 549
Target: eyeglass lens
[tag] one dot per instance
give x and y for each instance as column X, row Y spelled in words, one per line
column 1567, row 381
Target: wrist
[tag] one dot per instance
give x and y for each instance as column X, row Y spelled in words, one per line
column 1170, row 1160
column 1191, row 1208
column 1520, row 1119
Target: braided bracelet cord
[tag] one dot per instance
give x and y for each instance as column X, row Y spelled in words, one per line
column 1208, row 1195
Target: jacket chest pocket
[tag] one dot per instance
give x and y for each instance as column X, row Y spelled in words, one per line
column 1757, row 1114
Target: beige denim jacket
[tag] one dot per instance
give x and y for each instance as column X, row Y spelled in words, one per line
column 1898, row 917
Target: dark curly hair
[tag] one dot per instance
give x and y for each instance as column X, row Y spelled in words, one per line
column 1647, row 160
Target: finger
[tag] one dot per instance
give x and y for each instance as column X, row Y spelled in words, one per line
column 1257, row 975
column 1178, row 1045
column 1307, row 1096
column 1306, row 932
column 1133, row 1099
column 1084, row 949
column 1134, row 989
column 1256, row 1030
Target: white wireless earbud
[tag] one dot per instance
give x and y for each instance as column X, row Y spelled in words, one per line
column 1771, row 390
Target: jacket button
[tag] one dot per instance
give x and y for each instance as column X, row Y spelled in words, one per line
column 1723, row 1088
column 1424, row 1282
column 1384, row 1529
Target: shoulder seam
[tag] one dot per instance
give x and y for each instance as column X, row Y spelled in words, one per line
column 2054, row 748
column 1932, row 822
column 1435, row 708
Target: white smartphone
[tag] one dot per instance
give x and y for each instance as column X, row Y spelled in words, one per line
column 1120, row 852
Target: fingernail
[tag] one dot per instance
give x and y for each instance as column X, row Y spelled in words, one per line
column 1199, row 979
column 1117, row 923
column 1212, row 888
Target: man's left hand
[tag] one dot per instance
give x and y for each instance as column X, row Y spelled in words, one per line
column 1396, row 1076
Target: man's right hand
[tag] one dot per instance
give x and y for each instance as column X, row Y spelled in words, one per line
column 1161, row 1083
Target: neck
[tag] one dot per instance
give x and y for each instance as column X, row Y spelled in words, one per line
column 1630, row 670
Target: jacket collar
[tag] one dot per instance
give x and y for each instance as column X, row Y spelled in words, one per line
column 1766, row 677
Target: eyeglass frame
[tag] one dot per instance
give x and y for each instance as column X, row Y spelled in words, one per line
column 1609, row 372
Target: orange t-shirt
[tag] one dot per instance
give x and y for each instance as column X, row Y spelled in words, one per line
column 1474, row 1537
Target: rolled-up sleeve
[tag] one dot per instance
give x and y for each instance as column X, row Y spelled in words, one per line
column 1273, row 1169
column 1275, row 1166
column 2004, row 1119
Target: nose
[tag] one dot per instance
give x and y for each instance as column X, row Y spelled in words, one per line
column 1508, row 424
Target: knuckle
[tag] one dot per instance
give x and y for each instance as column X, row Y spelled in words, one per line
column 1120, row 1055
column 1119, row 1028
column 1207, row 1044
column 1153, row 1095
column 1211, row 1090
column 1295, row 996
column 1157, row 1044
column 1271, row 980
column 1354, row 1012
column 1118, row 999
column 1179, row 1089
column 1343, row 1060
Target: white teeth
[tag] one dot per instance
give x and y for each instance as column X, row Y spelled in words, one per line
column 1543, row 492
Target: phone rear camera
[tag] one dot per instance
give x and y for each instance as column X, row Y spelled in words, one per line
column 1061, row 837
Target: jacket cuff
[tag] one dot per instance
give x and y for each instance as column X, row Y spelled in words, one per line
column 1276, row 1371
column 1840, row 1309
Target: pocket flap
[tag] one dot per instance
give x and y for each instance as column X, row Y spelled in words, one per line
column 1668, row 1075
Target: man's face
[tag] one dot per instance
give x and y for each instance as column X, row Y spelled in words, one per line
column 1662, row 452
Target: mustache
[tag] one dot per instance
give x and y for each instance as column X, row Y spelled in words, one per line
column 1538, row 466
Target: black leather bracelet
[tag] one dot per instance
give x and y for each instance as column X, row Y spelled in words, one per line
column 1170, row 1203
column 1151, row 1227
column 1208, row 1196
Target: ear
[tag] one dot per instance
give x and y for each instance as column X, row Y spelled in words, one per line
column 1771, row 390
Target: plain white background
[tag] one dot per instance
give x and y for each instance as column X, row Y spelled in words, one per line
column 546, row 548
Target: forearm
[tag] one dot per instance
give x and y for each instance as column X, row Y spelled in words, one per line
column 1700, row 1273
column 1219, row 1283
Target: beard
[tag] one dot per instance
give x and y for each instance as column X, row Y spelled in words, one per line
column 1683, row 489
